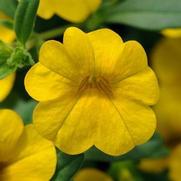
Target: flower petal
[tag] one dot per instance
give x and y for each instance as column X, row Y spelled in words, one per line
column 6, row 34
column 172, row 33
column 72, row 10
column 132, row 60
column 77, row 130
column 139, row 119
column 35, row 159
column 79, row 48
column 46, row 9
column 49, row 116
column 93, row 4
column 91, row 174
column 142, row 87
column 54, row 56
column 50, row 119
column 43, row 84
column 168, row 113
column 76, row 10
column 152, row 165
column 166, row 62
column 11, row 127
column 107, row 47
column 6, row 85
column 175, row 164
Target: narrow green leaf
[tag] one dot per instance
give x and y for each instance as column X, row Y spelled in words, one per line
column 146, row 14
column 67, row 166
column 7, row 23
column 25, row 18
column 8, row 7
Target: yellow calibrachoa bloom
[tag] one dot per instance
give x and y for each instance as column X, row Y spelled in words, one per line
column 166, row 63
column 6, row 34
column 6, row 85
column 172, row 33
column 154, row 165
column 91, row 174
column 71, row 10
column 172, row 163
column 93, row 90
column 24, row 154
column 175, row 164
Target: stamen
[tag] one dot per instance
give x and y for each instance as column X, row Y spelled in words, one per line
column 103, row 85
column 99, row 83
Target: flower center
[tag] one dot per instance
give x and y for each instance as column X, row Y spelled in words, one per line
column 2, row 165
column 99, row 83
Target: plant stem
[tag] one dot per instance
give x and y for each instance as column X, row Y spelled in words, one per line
column 53, row 33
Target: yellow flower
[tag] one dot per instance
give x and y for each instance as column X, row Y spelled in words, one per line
column 172, row 33
column 153, row 165
column 172, row 163
column 71, row 10
column 6, row 85
column 175, row 164
column 91, row 174
column 6, row 34
column 24, row 154
column 93, row 90
column 166, row 63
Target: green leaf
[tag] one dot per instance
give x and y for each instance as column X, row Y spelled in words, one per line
column 153, row 149
column 67, row 166
column 25, row 19
column 8, row 7
column 124, row 170
column 5, row 70
column 23, row 107
column 20, row 57
column 5, row 52
column 25, row 110
column 146, row 14
column 7, row 23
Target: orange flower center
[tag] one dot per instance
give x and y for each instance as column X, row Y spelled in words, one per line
column 99, row 83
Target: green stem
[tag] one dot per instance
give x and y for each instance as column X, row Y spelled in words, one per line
column 53, row 33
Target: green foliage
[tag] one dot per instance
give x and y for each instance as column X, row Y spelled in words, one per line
column 5, row 53
column 25, row 19
column 5, row 70
column 124, row 170
column 20, row 57
column 12, row 59
column 67, row 166
column 8, row 7
column 146, row 14
column 7, row 23
column 152, row 149
column 23, row 107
